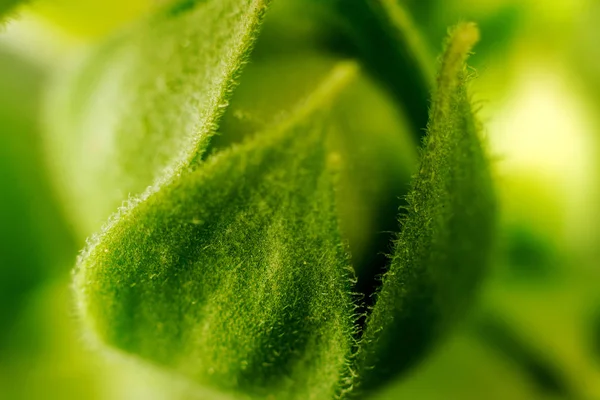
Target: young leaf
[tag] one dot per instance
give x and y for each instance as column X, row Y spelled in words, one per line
column 442, row 251
column 235, row 275
column 141, row 108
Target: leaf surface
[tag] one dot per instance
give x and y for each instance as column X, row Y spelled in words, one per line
column 446, row 239
column 371, row 136
column 235, row 275
column 141, row 108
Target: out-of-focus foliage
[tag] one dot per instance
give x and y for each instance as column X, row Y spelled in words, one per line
column 91, row 18
column 36, row 244
column 6, row 5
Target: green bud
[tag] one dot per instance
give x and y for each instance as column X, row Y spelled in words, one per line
column 245, row 263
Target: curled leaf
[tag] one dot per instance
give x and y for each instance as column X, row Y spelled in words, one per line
column 234, row 275
column 141, row 108
column 445, row 244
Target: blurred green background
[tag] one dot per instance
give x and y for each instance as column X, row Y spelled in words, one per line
column 535, row 334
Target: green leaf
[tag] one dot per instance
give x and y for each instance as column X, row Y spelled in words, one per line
column 234, row 275
column 373, row 139
column 139, row 110
column 446, row 240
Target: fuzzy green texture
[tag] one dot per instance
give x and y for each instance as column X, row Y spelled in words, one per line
column 235, row 275
column 372, row 137
column 231, row 263
column 140, row 110
column 444, row 247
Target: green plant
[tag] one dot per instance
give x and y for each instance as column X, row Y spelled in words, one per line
column 243, row 261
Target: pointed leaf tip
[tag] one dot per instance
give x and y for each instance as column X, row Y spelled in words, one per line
column 444, row 248
column 235, row 275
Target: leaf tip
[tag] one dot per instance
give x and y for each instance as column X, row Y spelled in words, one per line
column 466, row 35
column 461, row 41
